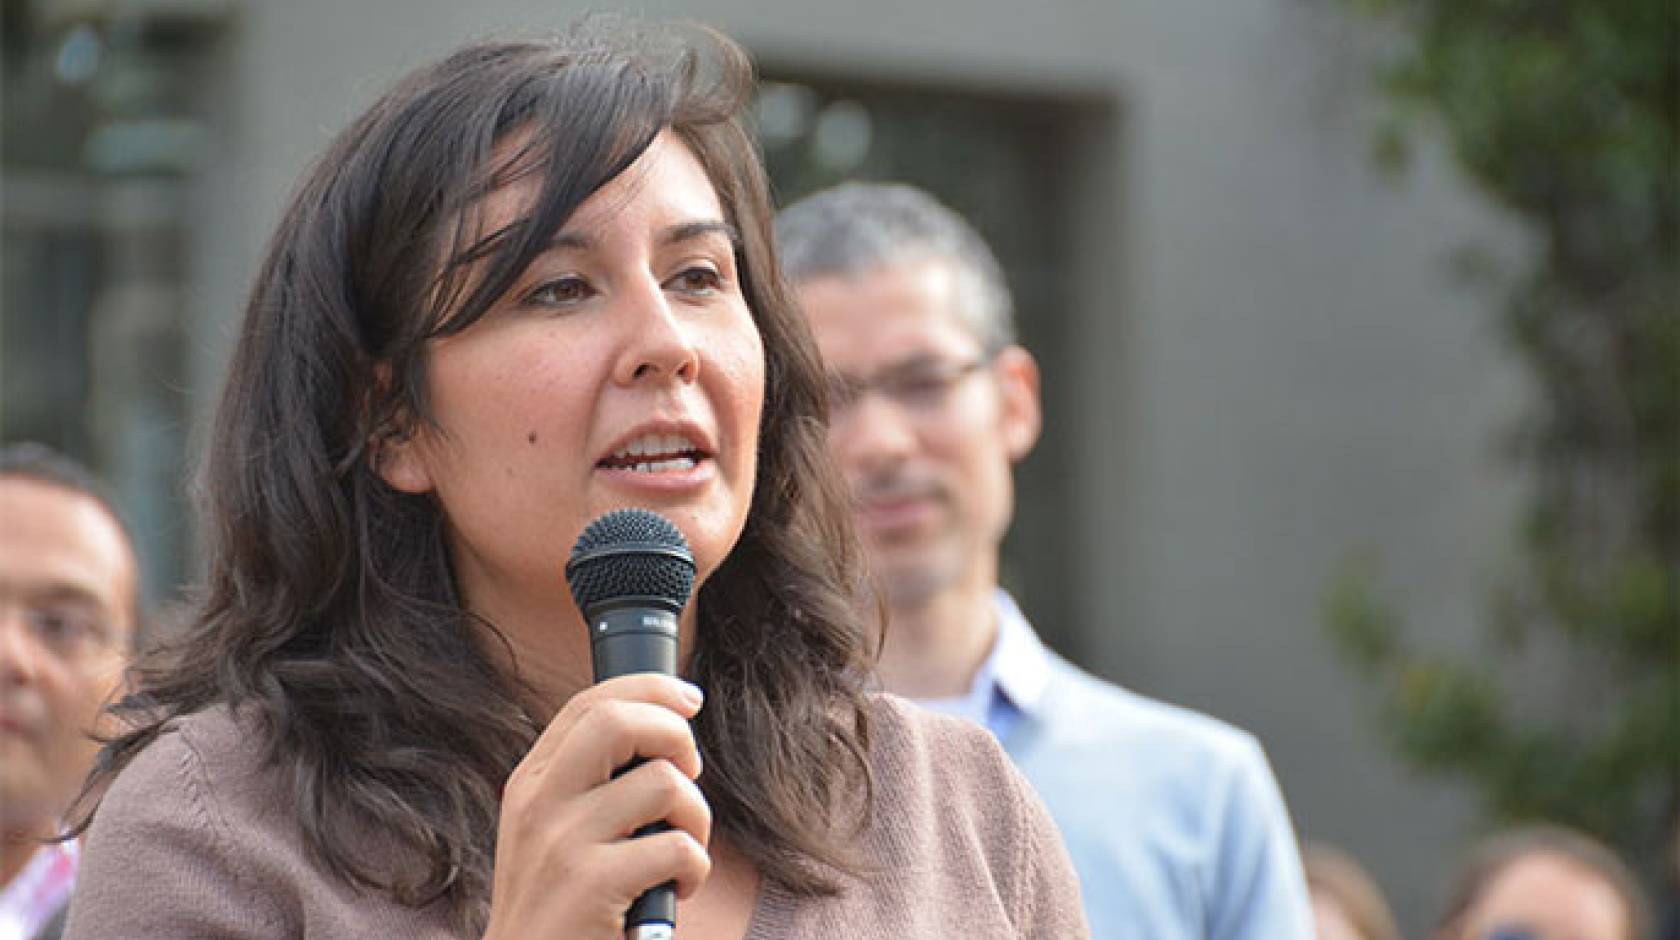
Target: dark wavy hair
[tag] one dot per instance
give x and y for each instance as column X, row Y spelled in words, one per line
column 331, row 614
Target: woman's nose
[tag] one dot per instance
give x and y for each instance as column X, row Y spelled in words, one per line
column 659, row 344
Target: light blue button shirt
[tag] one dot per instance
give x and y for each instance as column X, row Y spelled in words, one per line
column 1173, row 819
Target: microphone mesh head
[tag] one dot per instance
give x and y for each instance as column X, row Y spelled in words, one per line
column 631, row 553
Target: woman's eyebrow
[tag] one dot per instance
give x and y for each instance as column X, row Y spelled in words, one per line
column 681, row 232
column 688, row 231
column 574, row 240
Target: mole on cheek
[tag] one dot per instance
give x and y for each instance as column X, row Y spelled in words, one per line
column 531, row 438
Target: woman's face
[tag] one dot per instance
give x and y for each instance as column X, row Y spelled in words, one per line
column 623, row 369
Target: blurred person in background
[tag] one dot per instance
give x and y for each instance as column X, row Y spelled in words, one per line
column 69, row 608
column 1173, row 819
column 1543, row 882
column 1347, row 904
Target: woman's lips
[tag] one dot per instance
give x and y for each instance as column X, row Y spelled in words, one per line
column 660, row 473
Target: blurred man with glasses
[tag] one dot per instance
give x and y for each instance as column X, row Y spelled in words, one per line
column 68, row 612
column 1172, row 818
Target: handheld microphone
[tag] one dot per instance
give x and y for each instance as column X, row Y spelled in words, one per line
column 631, row 573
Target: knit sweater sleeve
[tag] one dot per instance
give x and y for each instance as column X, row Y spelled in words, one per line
column 987, row 814
column 160, row 861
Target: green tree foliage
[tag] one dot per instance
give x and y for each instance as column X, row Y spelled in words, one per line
column 1564, row 113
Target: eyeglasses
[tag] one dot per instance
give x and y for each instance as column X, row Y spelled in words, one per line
column 920, row 386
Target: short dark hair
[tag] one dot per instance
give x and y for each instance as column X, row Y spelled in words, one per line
column 331, row 612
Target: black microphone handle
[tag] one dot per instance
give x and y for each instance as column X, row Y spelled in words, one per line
column 627, row 638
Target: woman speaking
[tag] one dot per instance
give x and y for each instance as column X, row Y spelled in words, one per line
column 534, row 284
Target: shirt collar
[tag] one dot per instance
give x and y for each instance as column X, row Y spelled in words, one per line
column 1013, row 678
column 1019, row 665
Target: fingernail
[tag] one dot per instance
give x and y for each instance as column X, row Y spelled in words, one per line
column 693, row 694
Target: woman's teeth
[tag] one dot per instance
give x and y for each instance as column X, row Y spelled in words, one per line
column 664, row 466
column 656, row 453
column 649, row 444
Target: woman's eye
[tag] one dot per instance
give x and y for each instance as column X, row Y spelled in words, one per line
column 559, row 292
column 698, row 280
